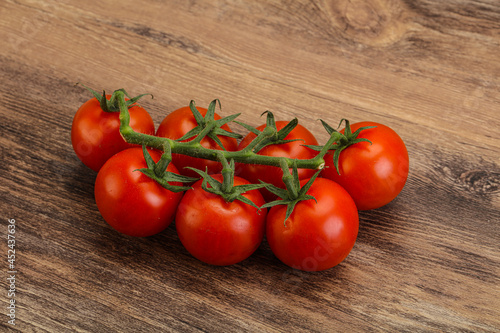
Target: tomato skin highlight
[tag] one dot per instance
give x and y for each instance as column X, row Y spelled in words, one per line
column 373, row 174
column 95, row 134
column 273, row 175
column 131, row 202
column 316, row 236
column 176, row 124
column 218, row 232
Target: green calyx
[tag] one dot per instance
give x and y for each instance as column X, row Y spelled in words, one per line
column 226, row 188
column 270, row 134
column 158, row 172
column 208, row 126
column 293, row 193
column 112, row 104
column 342, row 141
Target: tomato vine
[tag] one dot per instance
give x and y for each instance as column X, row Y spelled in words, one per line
column 194, row 148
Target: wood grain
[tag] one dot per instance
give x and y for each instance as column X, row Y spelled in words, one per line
column 427, row 262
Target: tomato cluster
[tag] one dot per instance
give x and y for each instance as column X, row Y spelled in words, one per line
column 309, row 217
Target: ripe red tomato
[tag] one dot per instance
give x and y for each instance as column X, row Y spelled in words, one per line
column 273, row 175
column 95, row 134
column 131, row 202
column 317, row 235
column 218, row 232
column 179, row 122
column 373, row 174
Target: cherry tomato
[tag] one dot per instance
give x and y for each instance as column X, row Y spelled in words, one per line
column 218, row 232
column 373, row 174
column 179, row 122
column 131, row 202
column 95, row 134
column 273, row 175
column 317, row 235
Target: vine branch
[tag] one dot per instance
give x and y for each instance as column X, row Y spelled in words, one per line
column 194, row 148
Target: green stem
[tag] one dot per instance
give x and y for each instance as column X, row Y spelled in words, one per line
column 334, row 137
column 288, row 179
column 267, row 132
column 162, row 165
column 227, row 174
column 194, row 148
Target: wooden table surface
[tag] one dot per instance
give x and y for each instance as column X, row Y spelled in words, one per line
column 427, row 262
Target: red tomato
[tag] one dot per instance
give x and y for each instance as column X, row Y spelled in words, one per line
column 316, row 236
column 219, row 232
column 95, row 134
column 373, row 174
column 131, row 202
column 273, row 175
column 181, row 121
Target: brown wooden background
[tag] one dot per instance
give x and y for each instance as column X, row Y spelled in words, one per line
column 430, row 69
